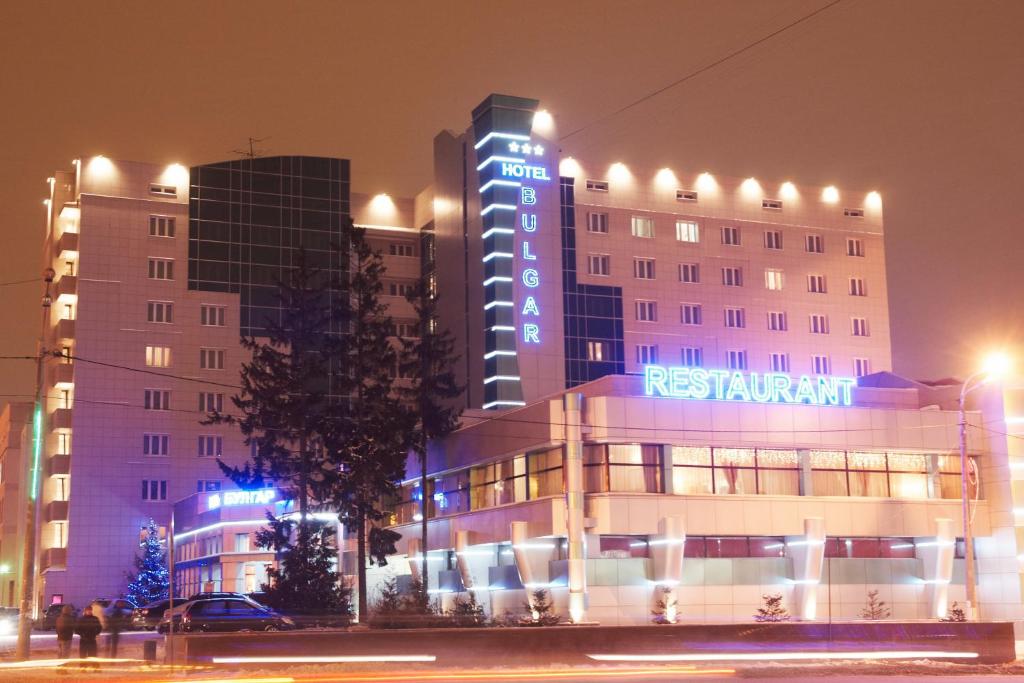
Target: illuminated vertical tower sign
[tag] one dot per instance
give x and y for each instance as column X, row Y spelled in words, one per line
column 515, row 176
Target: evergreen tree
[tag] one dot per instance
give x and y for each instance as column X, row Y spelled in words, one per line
column 368, row 439
column 427, row 364
column 151, row 580
column 666, row 608
column 772, row 610
column 542, row 610
column 875, row 609
column 956, row 614
column 388, row 606
column 467, row 613
column 306, row 580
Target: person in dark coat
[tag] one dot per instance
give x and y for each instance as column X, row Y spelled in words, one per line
column 65, row 631
column 117, row 619
column 88, row 629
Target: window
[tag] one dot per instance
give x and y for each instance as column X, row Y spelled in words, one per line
column 773, row 239
column 687, row 231
column 773, row 204
column 598, row 264
column 643, row 268
column 859, row 327
column 161, row 226
column 854, row 246
column 642, row 226
column 207, row 485
column 857, row 287
column 598, row 350
column 242, row 543
column 597, row 222
column 778, row 362
column 736, row 360
column 691, row 314
column 401, row 250
column 646, row 353
column 735, row 317
column 736, row 471
column 689, row 272
column 853, row 213
column 160, row 312
column 209, row 402
column 163, row 190
column 731, row 236
column 161, row 269
column 63, row 443
column 597, row 185
column 156, row 399
column 211, row 359
column 498, row 483
column 647, row 311
column 686, row 196
column 773, row 279
column 404, row 329
column 210, row 445
column 399, row 288
column 155, row 444
column 861, row 367
column 732, row 277
column 777, row 321
column 632, row 468
column 816, row 284
column 815, row 244
column 158, row 356
column 154, row 489
column 69, row 267
column 820, row 365
column 692, row 356
column 68, row 313
column 819, row 323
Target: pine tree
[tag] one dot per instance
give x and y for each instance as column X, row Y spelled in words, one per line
column 956, row 614
column 666, row 608
column 542, row 610
column 151, row 580
column 772, row 610
column 427, row 364
column 467, row 613
column 875, row 609
column 369, row 435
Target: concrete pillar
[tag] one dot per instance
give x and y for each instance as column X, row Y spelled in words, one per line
column 807, row 553
column 806, row 480
column 533, row 558
column 573, row 464
column 413, row 553
column 936, row 555
column 667, row 557
column 666, row 469
column 462, row 559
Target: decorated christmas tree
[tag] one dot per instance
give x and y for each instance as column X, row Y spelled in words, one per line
column 151, row 581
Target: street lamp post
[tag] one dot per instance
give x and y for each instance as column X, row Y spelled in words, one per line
column 28, row 562
column 996, row 365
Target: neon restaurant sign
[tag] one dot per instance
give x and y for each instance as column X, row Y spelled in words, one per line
column 750, row 387
column 235, row 498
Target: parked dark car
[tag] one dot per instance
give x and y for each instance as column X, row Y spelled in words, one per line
column 148, row 616
column 225, row 614
column 48, row 620
column 214, row 594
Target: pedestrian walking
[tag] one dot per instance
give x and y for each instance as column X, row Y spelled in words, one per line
column 117, row 619
column 65, row 631
column 88, row 629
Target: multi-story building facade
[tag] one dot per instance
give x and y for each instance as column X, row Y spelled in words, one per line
column 15, row 447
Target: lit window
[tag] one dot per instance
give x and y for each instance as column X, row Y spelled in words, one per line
column 860, row 327
column 642, row 226
column 158, row 356
column 773, row 279
column 646, row 353
column 689, row 273
column 735, row 317
column 691, row 314
column 598, row 264
column 731, row 236
column 820, row 365
column 815, row 244
column 777, row 321
column 778, row 362
column 819, row 324
column 816, row 284
column 857, row 287
column 692, row 356
column 773, row 239
column 647, row 311
column 598, row 350
column 854, row 246
column 732, row 277
column 687, row 231
column 643, row 268
column 597, row 222
column 736, row 360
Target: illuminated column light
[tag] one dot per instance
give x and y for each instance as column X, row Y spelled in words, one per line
column 706, row 182
column 619, row 173
column 569, row 168
column 751, row 188
column 830, row 194
column 543, row 122
column 788, row 191
column 175, row 174
column 666, row 179
column 873, row 200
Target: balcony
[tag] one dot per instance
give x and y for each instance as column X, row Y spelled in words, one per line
column 57, row 511
column 54, row 558
column 58, row 464
column 65, row 329
column 67, row 242
column 67, row 286
column 60, row 419
column 63, row 373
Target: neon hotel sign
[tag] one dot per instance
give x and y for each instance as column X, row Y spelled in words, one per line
column 234, row 498
column 731, row 385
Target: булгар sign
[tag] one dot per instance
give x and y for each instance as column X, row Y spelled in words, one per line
column 734, row 385
column 232, row 498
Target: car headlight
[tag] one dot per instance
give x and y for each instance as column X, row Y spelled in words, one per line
column 288, row 620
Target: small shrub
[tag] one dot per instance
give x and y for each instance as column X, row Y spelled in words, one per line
column 955, row 614
column 506, row 620
column 467, row 613
column 772, row 609
column 666, row 609
column 542, row 610
column 875, row 609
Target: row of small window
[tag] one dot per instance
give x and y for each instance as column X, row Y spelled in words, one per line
column 209, row 445
column 843, row 547
column 735, row 359
column 736, row 317
column 160, row 357
column 689, row 231
column 160, row 399
column 163, row 312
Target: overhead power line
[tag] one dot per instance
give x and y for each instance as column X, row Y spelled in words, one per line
column 703, row 69
column 21, row 282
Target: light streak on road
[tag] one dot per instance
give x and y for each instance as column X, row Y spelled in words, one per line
column 327, row 659
column 784, row 656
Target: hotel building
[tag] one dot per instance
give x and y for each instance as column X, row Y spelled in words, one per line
column 678, row 384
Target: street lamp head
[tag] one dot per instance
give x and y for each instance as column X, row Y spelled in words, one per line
column 997, row 365
column 49, row 274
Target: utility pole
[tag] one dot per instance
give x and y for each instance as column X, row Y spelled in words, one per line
column 31, row 484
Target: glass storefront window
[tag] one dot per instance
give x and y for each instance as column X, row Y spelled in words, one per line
column 908, row 475
column 498, row 483
column 546, row 478
column 691, row 470
column 734, row 471
column 778, row 472
column 634, row 468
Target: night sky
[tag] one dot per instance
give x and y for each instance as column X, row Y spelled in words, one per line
column 920, row 100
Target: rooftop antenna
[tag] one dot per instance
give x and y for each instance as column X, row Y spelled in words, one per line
column 252, row 152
